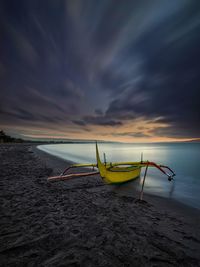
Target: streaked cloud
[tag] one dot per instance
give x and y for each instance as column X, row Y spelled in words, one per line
column 86, row 68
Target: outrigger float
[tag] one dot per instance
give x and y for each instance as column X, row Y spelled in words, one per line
column 114, row 172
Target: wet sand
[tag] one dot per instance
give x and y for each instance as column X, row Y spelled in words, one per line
column 84, row 222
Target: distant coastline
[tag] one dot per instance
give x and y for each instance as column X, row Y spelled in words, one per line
column 4, row 138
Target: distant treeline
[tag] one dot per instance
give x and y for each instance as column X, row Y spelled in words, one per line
column 4, row 138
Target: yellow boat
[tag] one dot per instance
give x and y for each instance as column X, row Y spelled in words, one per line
column 116, row 172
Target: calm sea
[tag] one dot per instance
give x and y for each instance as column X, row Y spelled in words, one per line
column 183, row 158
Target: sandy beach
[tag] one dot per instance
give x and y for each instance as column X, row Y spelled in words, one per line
column 84, row 222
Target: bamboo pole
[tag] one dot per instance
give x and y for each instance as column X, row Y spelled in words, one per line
column 145, row 173
column 71, row 176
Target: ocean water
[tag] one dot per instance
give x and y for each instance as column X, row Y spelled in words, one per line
column 183, row 158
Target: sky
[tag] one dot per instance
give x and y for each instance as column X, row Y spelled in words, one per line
column 111, row 70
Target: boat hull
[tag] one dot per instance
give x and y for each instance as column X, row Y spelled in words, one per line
column 116, row 174
column 117, row 177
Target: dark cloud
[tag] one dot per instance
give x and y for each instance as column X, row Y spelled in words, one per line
column 21, row 116
column 173, row 132
column 169, row 87
column 101, row 120
column 79, row 122
column 97, row 120
column 88, row 63
column 98, row 111
column 131, row 134
column 20, row 113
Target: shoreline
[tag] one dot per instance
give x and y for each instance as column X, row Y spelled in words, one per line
column 183, row 189
column 84, row 222
column 54, row 161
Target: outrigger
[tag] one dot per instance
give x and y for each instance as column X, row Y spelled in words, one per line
column 114, row 172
